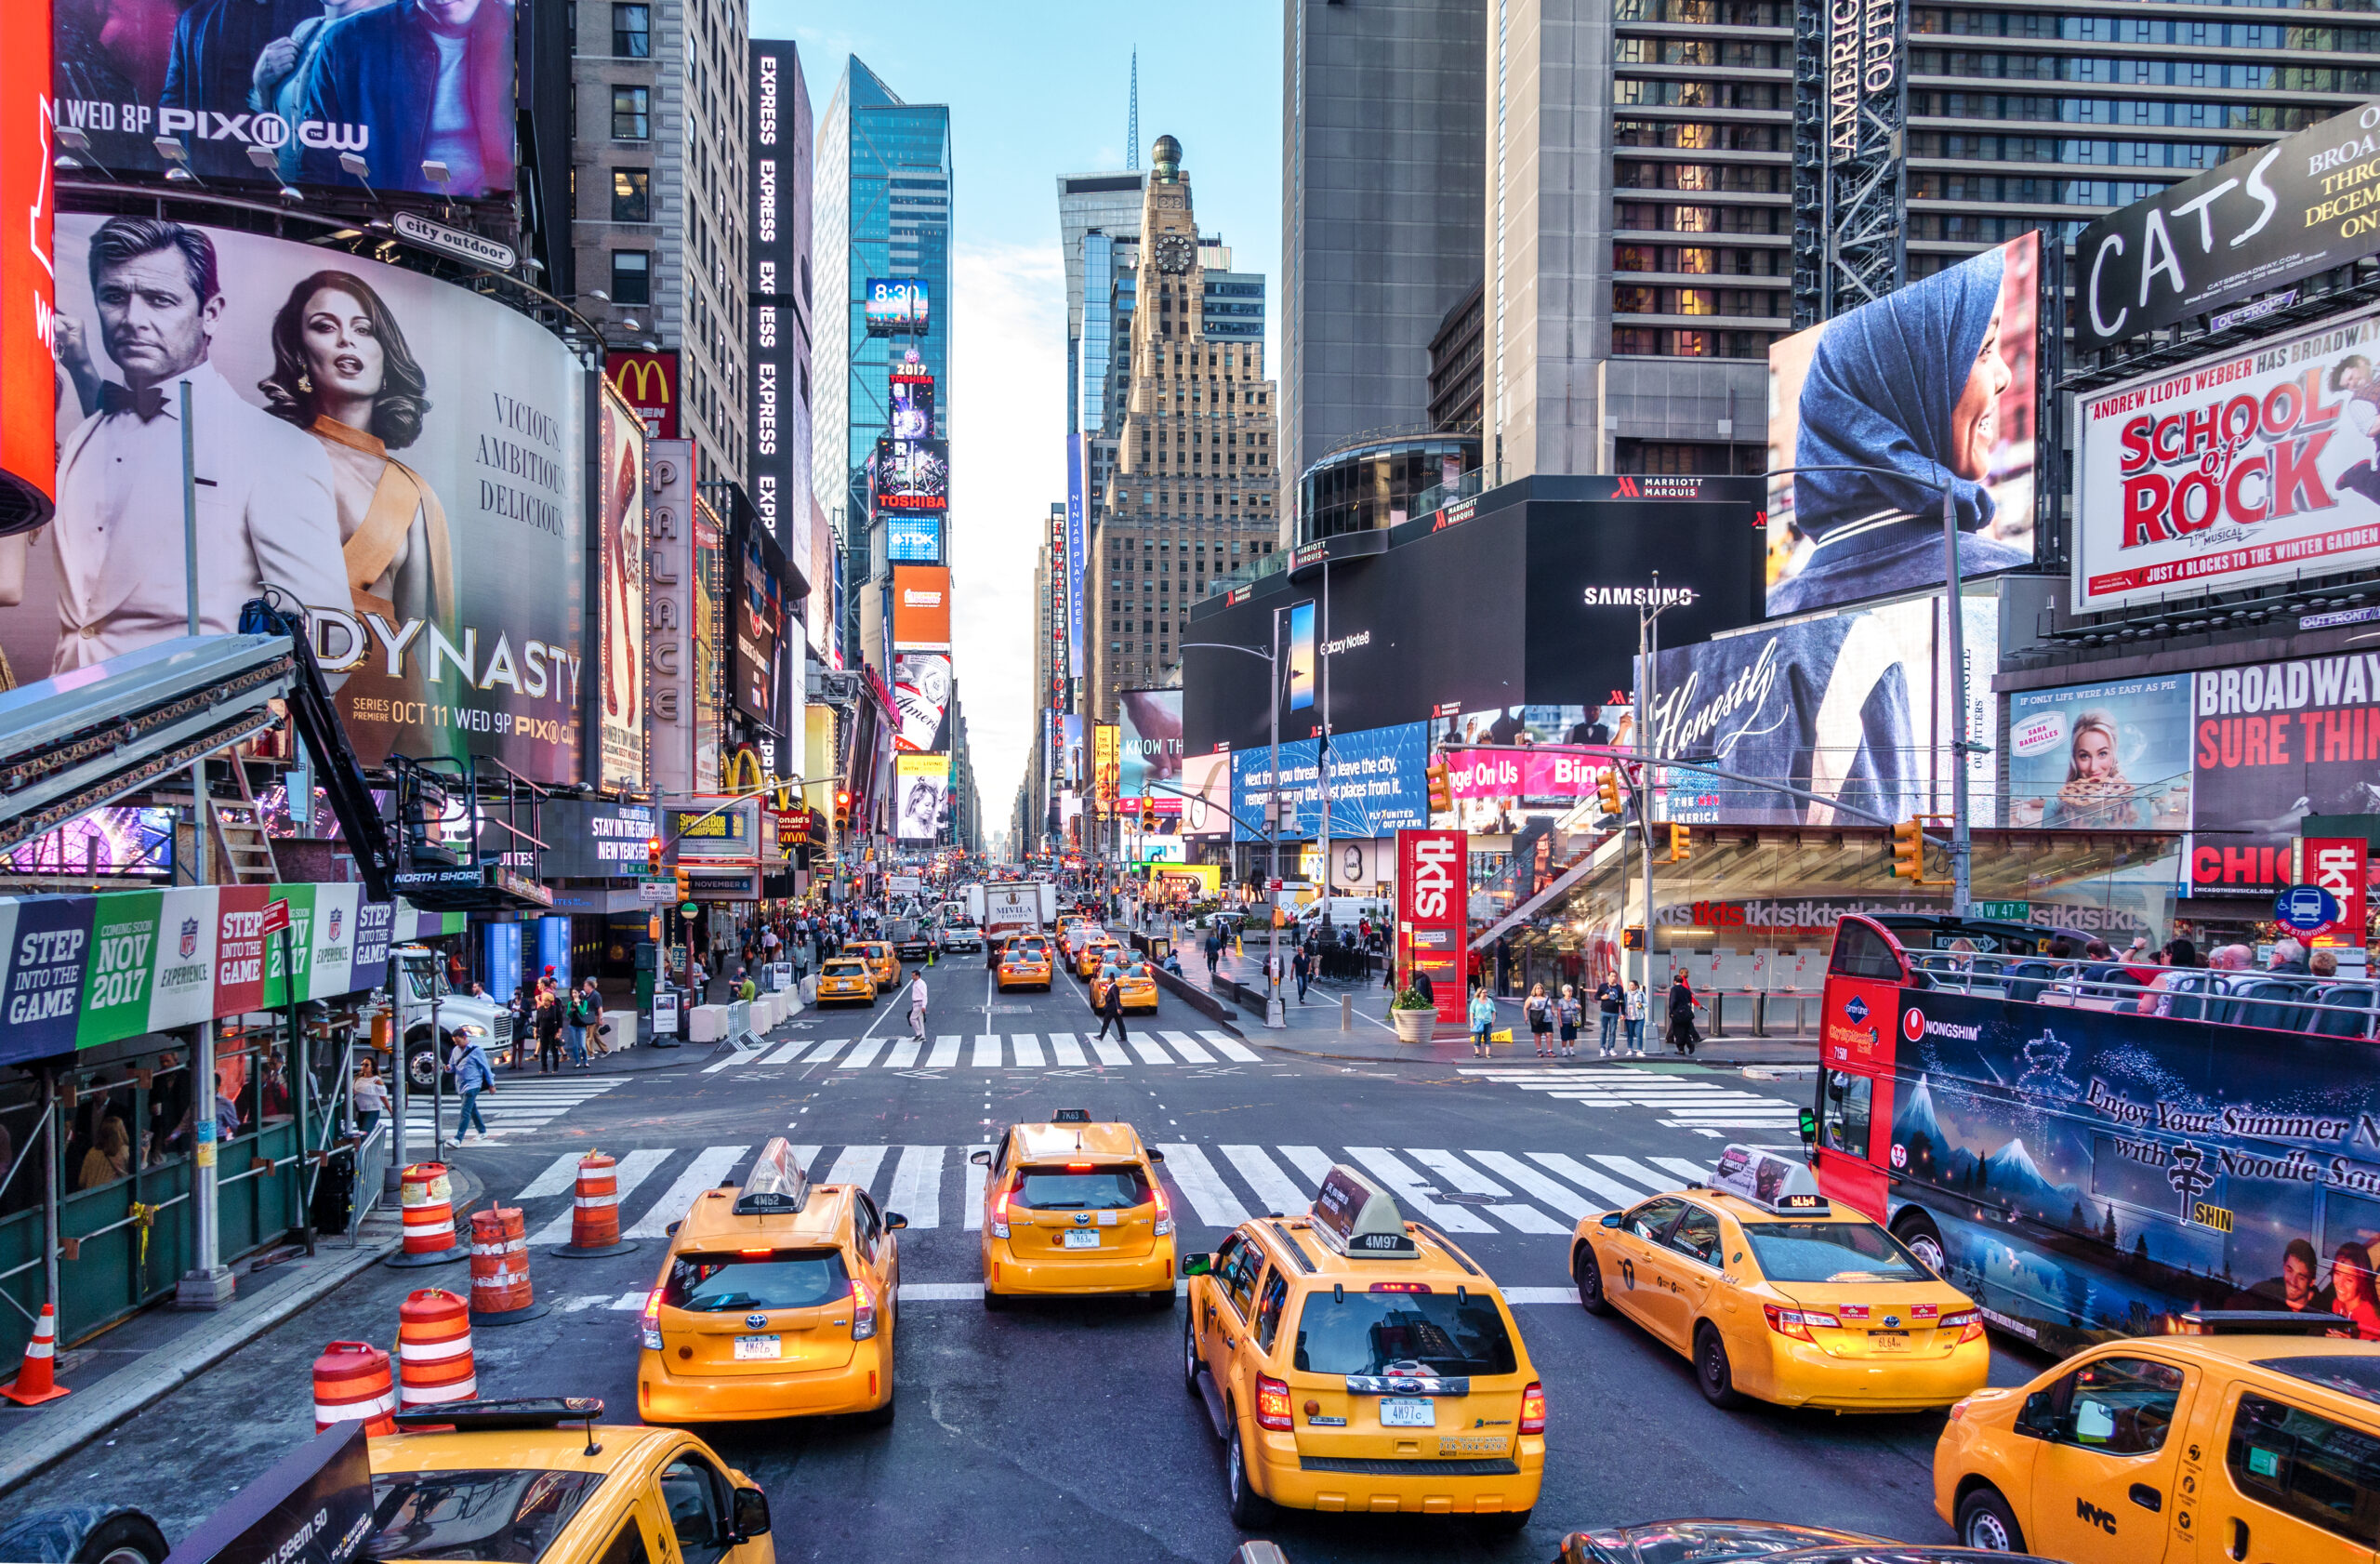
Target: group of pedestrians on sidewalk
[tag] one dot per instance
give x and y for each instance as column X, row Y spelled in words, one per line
column 1555, row 1020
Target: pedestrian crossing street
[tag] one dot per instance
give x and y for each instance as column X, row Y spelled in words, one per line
column 1697, row 1102
column 512, row 1108
column 992, row 1051
column 1215, row 1186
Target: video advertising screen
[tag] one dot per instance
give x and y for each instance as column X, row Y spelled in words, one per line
column 619, row 707
column 898, row 307
column 285, row 92
column 913, row 537
column 913, row 407
column 920, row 796
column 921, row 695
column 913, row 475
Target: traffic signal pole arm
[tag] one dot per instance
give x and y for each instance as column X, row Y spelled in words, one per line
column 1617, row 758
column 1259, row 834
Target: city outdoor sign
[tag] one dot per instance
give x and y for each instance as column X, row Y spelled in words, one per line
column 476, row 248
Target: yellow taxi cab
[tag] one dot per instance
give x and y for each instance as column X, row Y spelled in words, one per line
column 1132, row 975
column 883, row 965
column 845, row 980
column 1025, row 961
column 1094, row 952
column 1074, row 1208
column 1774, row 1292
column 1352, row 1360
column 2250, row 1436
column 547, row 1480
column 777, row 1299
column 1071, row 933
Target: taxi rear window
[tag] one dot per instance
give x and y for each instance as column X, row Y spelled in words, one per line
column 1117, row 1188
column 785, row 1279
column 841, row 968
column 1364, row 1333
column 507, row 1516
column 1832, row 1251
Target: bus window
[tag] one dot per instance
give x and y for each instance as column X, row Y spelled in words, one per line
column 1842, row 1126
column 1860, row 951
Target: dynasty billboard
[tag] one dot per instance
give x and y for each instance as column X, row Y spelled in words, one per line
column 401, row 455
column 619, row 616
column 1935, row 383
column 2268, row 218
column 2245, row 467
column 418, row 93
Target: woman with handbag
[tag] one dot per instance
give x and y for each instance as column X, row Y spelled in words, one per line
column 1683, row 1004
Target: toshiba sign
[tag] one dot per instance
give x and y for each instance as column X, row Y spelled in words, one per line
column 1432, row 880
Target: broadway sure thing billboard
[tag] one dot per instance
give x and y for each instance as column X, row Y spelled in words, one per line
column 402, row 456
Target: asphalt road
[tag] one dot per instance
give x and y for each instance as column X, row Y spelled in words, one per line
column 1062, row 1431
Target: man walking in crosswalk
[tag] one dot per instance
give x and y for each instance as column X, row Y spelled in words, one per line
column 1111, row 1012
column 917, row 1007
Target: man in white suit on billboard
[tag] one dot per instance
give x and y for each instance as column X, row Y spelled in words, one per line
column 265, row 507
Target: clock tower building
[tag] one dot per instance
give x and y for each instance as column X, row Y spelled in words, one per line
column 1188, row 500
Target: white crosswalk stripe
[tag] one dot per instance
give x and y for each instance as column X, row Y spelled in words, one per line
column 1697, row 1103
column 1537, row 1194
column 1027, row 1051
column 513, row 1108
column 1188, row 1047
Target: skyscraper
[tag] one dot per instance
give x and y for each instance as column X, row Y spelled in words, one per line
column 881, row 209
column 1094, row 212
column 1381, row 154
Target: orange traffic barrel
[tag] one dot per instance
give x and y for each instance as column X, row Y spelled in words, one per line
column 434, row 1349
column 595, row 1210
column 351, row 1386
column 37, row 1381
column 500, row 1291
column 427, row 1201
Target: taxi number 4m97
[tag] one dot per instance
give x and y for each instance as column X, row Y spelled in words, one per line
column 1080, row 1239
column 749, row 1347
column 1408, row 1415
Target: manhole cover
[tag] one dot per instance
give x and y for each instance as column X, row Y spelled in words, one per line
column 1463, row 1198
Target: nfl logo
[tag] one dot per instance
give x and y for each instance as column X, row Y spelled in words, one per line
column 190, row 938
column 337, row 914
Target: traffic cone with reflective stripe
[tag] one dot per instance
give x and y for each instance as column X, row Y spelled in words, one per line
column 352, row 1384
column 37, row 1381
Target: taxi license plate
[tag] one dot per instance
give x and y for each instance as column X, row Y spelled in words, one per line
column 1888, row 1341
column 1408, row 1414
column 1073, row 1238
column 748, row 1348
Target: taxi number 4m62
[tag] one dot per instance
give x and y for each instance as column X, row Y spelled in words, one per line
column 749, row 1347
column 1080, row 1239
column 1408, row 1414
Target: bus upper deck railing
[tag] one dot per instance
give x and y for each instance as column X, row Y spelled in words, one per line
column 2277, row 1001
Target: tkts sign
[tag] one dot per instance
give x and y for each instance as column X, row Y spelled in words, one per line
column 1433, row 878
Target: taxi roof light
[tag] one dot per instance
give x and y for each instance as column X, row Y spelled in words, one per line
column 777, row 1185
column 1775, row 1184
column 1071, row 1115
column 527, row 1411
column 1354, row 1216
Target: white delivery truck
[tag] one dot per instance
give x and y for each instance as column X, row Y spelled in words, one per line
column 1002, row 907
column 419, row 974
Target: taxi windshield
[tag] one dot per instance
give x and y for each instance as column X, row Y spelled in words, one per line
column 783, row 1279
column 507, row 1516
column 1364, row 1333
column 1832, row 1251
column 1118, row 1189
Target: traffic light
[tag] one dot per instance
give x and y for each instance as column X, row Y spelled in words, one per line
column 1607, row 788
column 1909, row 851
column 652, row 855
column 842, row 809
column 685, row 884
column 1681, row 844
column 1149, row 812
column 1441, row 787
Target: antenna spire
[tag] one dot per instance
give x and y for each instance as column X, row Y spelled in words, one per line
column 1133, row 131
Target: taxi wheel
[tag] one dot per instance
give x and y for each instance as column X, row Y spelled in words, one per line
column 1713, row 1371
column 1985, row 1523
column 1189, row 1356
column 1249, row 1510
column 994, row 1301
column 1588, row 1274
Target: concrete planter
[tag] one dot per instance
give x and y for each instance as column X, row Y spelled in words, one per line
column 1414, row 1026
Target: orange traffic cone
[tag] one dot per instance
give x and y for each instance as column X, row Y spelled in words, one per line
column 37, row 1381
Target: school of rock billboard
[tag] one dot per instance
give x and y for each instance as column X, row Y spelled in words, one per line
column 273, row 92
column 399, row 455
column 2242, row 467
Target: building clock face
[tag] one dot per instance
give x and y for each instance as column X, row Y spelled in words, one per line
column 1174, row 252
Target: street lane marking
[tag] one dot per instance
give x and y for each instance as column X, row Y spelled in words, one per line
column 633, row 1169
column 789, row 1053
column 1614, row 1192
column 1629, row 1168
column 987, row 1051
column 1407, row 1186
column 1457, row 1175
column 1230, row 1049
column 1067, row 1052
column 975, row 1176
column 1108, row 1053
column 559, row 1177
column 916, row 1186
column 1309, row 1161
column 1516, row 1296
column 857, row 1166
column 1693, row 1173
column 1149, row 1052
column 1187, row 1046
column 710, row 1165
column 1196, row 1177
column 825, row 1051
column 945, row 1055
column 859, row 1057
column 1532, row 1181
column 1028, row 1049
column 904, row 1053
column 1273, row 1187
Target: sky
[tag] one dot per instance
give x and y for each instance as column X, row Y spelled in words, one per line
column 1036, row 91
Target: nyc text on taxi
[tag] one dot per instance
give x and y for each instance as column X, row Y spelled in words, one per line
column 1352, row 1360
column 774, row 1300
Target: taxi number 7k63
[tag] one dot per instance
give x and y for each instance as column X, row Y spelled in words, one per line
column 749, row 1347
column 1410, row 1414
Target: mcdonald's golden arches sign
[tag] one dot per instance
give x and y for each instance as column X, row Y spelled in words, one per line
column 650, row 383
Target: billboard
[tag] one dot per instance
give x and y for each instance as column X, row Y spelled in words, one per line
column 921, row 607
column 2268, row 217
column 1074, row 769
column 1377, row 784
column 898, row 307
column 2270, row 745
column 921, row 695
column 1935, row 382
column 1432, row 880
column 265, row 94
column 648, row 381
column 920, row 796
column 588, row 839
column 2100, row 757
column 1206, row 781
column 2243, row 467
column 1106, row 767
column 912, row 475
column 28, row 376
column 1151, row 743
column 620, row 614
column 912, row 537
column 114, row 842
column 1076, row 556
column 1852, row 707
column 758, row 628
column 779, row 145
column 402, row 456
column 912, row 415
column 670, row 703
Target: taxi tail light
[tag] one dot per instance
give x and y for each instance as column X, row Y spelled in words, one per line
column 649, row 1327
column 1797, row 1323
column 1968, row 1321
column 1533, row 1409
column 761, row 1253
column 1272, row 1405
column 1164, row 1209
column 999, row 1211
column 862, row 1312
column 1078, row 1167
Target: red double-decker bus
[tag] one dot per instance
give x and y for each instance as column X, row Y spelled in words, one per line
column 2088, row 1156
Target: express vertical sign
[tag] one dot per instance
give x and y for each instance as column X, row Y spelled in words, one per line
column 1432, row 874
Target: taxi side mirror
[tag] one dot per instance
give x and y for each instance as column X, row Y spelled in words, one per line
column 2040, row 1416
column 751, row 1516
column 1155, row 1154
column 1613, row 1218
column 895, row 1222
column 1197, row 1264
column 982, row 1159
